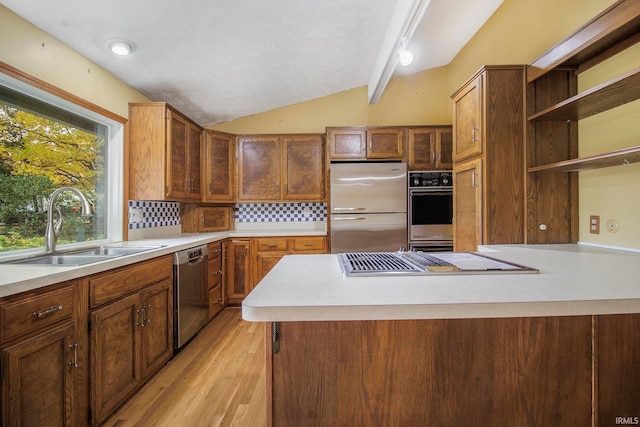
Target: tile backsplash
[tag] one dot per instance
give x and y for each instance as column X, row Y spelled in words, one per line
column 153, row 214
column 280, row 212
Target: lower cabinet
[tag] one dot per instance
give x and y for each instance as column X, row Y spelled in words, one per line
column 247, row 261
column 537, row 371
column 269, row 250
column 238, row 280
column 42, row 359
column 131, row 331
column 214, row 280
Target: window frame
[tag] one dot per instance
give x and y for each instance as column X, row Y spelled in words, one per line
column 115, row 164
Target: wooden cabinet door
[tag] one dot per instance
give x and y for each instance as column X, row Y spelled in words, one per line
column 259, row 168
column 467, row 120
column 347, row 143
column 226, row 271
column 38, row 382
column 177, row 151
column 115, row 354
column 240, row 283
column 467, row 206
column 422, row 149
column 444, row 149
column 385, row 143
column 157, row 326
column 194, row 176
column 265, row 262
column 219, row 167
column 303, row 167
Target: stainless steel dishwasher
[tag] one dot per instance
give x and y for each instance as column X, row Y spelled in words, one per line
column 190, row 293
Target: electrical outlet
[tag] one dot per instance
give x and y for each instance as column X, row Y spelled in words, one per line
column 594, row 224
column 135, row 215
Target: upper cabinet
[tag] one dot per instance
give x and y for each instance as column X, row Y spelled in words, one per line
column 363, row 143
column 219, row 167
column 467, row 118
column 553, row 108
column 164, row 154
column 430, row 148
column 281, row 167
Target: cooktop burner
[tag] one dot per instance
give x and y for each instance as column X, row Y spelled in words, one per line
column 423, row 263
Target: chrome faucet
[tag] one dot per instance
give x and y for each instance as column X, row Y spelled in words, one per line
column 53, row 230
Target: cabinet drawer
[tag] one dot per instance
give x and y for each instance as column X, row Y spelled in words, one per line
column 215, row 301
column 215, row 275
column 301, row 244
column 215, row 254
column 113, row 284
column 30, row 313
column 272, row 244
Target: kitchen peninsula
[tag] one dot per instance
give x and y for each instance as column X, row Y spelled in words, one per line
column 556, row 348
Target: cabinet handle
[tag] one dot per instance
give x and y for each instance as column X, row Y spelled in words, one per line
column 74, row 362
column 308, row 244
column 140, row 316
column 271, row 245
column 473, row 179
column 218, row 301
column 433, row 156
column 275, row 338
column 50, row 310
column 216, row 272
column 473, row 134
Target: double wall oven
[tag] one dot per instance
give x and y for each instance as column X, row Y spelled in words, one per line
column 430, row 215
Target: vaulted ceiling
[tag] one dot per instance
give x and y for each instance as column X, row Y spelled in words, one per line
column 217, row 60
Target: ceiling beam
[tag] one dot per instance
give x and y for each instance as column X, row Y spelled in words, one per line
column 406, row 17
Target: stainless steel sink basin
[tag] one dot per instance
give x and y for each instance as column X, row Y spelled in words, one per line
column 61, row 260
column 82, row 256
column 113, row 251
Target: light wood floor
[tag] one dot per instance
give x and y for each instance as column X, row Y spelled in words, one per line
column 217, row 380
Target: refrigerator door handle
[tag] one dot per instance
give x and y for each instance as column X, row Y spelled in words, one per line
column 353, row 218
column 348, row 209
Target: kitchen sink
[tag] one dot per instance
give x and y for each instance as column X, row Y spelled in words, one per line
column 112, row 251
column 82, row 256
column 62, row 260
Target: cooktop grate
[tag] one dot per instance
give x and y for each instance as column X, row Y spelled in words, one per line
column 375, row 262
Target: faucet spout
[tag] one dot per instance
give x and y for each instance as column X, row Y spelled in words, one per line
column 53, row 229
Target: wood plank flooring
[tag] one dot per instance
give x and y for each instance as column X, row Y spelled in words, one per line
column 218, row 379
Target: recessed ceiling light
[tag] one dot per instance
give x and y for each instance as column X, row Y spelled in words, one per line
column 121, row 47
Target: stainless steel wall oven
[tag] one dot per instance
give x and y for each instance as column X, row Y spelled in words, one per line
column 430, row 213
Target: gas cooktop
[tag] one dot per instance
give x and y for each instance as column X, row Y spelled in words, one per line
column 424, row 263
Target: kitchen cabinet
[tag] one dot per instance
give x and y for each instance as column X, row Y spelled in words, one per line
column 269, row 250
column 554, row 108
column 259, row 168
column 214, row 280
column 43, row 354
column 472, row 372
column 281, row 167
column 430, row 148
column 240, row 280
column 200, row 219
column 164, row 154
column 365, row 143
column 219, row 167
column 303, row 172
column 131, row 330
column 488, row 168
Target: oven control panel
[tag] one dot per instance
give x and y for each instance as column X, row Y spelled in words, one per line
column 418, row 179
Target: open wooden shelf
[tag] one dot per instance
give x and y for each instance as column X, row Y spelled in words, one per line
column 604, row 35
column 610, row 94
column 613, row 158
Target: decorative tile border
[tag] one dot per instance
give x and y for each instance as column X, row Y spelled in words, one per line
column 148, row 214
column 280, row 212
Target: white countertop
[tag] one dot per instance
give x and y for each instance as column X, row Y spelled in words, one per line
column 573, row 280
column 15, row 278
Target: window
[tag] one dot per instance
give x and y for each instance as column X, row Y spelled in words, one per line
column 47, row 143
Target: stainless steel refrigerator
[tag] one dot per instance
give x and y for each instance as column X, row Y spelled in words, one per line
column 368, row 207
